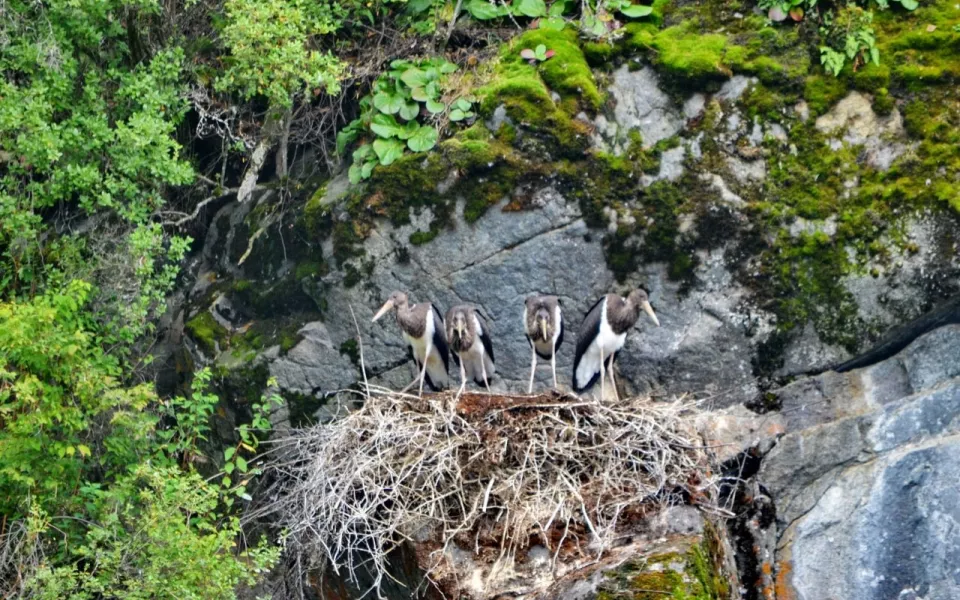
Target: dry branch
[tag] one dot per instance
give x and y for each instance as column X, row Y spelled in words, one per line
column 481, row 472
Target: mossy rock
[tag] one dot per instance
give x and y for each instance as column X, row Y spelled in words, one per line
column 206, row 331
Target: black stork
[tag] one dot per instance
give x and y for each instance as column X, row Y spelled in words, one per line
column 543, row 325
column 422, row 328
column 602, row 335
column 469, row 338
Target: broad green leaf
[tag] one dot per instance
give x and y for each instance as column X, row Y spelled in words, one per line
column 530, row 8
column 420, row 94
column 457, row 115
column 241, row 464
column 909, row 4
column 408, row 130
column 415, row 7
column 483, row 10
column 228, row 453
column 435, row 107
column 424, row 139
column 367, row 169
column 414, row 77
column 385, row 126
column 409, row 111
column 636, row 11
column 448, row 67
column 228, row 468
column 553, row 23
column 388, row 103
column 388, row 150
column 557, row 8
column 462, row 103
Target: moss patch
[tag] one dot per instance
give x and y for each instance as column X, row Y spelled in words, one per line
column 206, row 331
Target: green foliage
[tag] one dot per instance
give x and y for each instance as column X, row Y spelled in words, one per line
column 236, row 465
column 414, row 93
column 593, row 18
column 848, row 36
column 270, row 48
column 153, row 535
column 57, row 387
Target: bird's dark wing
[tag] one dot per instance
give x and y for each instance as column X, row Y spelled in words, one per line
column 440, row 339
column 485, row 339
column 560, row 337
column 589, row 330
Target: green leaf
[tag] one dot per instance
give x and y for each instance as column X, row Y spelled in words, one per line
column 420, row 94
column 435, row 107
column 909, row 4
column 228, row 453
column 636, row 11
column 457, row 115
column 367, row 169
column 530, row 8
column 483, row 10
column 424, row 139
column 353, row 173
column 227, row 482
column 409, row 111
column 388, row 150
column 447, row 67
column 462, row 103
column 388, row 103
column 553, row 23
column 415, row 7
column 228, row 468
column 414, row 77
column 408, row 130
column 241, row 464
column 385, row 126
column 557, row 8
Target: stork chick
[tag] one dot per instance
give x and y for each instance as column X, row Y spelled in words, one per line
column 470, row 341
column 602, row 335
column 543, row 325
column 422, row 328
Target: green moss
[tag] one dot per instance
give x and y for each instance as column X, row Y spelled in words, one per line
column 688, row 54
column 693, row 572
column 872, row 78
column 351, row 349
column 598, row 54
column 567, row 72
column 883, row 102
column 823, row 91
column 206, row 331
column 310, row 268
column 288, row 337
column 419, row 238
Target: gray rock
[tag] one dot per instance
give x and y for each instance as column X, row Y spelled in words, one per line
column 671, row 166
column 694, row 106
column 862, row 127
column 643, row 106
column 314, row 366
column 734, row 87
column 807, row 353
column 867, row 504
column 747, row 171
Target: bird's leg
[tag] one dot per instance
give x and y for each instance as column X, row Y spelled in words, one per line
column 533, row 369
column 463, row 377
column 483, row 370
column 613, row 382
column 603, row 377
column 423, row 372
column 553, row 364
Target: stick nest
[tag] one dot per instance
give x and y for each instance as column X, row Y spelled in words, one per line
column 493, row 474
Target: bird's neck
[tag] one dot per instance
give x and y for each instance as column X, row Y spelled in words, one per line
column 622, row 314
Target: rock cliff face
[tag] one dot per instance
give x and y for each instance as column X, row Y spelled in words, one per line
column 780, row 219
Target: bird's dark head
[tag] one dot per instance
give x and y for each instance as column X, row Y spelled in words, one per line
column 396, row 300
column 541, row 310
column 638, row 298
column 459, row 325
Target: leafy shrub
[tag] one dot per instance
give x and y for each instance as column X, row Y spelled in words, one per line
column 593, row 17
column 413, row 93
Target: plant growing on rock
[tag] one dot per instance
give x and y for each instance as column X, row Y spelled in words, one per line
column 538, row 54
column 595, row 17
column 403, row 112
column 848, row 36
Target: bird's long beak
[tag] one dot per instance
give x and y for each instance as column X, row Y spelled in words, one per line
column 649, row 310
column 543, row 327
column 383, row 310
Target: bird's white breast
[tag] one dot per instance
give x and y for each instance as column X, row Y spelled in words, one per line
column 607, row 340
